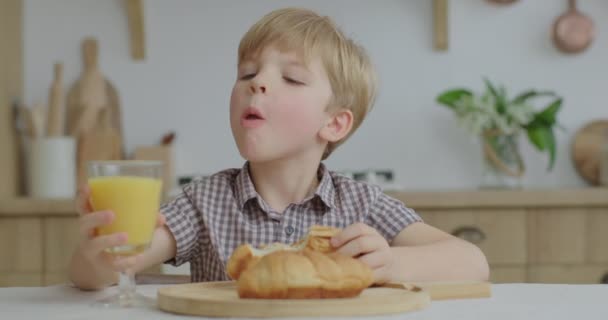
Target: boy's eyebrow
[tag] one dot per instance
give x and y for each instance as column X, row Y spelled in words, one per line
column 297, row 63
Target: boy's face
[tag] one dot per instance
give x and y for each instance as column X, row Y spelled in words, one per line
column 277, row 106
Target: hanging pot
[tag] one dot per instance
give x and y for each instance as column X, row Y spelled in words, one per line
column 573, row 31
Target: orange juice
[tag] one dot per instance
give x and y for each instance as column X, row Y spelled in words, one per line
column 135, row 203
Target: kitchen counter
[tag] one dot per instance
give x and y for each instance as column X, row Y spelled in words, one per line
column 508, row 301
column 453, row 199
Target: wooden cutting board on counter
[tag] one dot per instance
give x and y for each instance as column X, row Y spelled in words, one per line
column 220, row 299
column 93, row 113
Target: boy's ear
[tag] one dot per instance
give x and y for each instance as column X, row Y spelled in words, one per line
column 338, row 125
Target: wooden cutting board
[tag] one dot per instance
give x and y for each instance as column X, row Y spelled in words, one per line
column 93, row 114
column 586, row 150
column 220, row 299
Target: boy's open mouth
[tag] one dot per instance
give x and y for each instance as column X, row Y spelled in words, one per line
column 252, row 118
column 252, row 113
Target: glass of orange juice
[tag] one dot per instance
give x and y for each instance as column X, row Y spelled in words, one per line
column 132, row 190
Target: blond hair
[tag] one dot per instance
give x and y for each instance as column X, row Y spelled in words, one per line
column 350, row 71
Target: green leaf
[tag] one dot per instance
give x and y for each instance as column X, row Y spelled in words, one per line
column 537, row 137
column 524, row 96
column 551, row 146
column 543, row 139
column 548, row 114
column 449, row 98
column 500, row 98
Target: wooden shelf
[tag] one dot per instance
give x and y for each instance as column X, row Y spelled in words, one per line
column 531, row 198
column 37, row 207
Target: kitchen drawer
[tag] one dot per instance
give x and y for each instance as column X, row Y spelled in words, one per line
column 20, row 245
column 60, row 239
column 20, row 279
column 54, row 278
column 597, row 236
column 572, row 274
column 557, row 236
column 508, row 274
column 501, row 234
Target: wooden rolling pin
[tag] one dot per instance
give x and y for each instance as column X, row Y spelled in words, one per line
column 54, row 125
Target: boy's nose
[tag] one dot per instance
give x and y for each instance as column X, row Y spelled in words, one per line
column 257, row 88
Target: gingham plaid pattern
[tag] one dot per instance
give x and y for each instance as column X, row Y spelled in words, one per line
column 215, row 214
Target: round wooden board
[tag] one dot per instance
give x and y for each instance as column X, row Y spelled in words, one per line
column 220, row 299
column 586, row 150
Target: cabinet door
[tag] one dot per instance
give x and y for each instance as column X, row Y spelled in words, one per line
column 597, row 236
column 61, row 238
column 501, row 234
column 557, row 236
column 20, row 279
column 500, row 274
column 20, row 245
column 568, row 274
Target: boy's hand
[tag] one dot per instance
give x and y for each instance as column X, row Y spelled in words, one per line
column 92, row 246
column 366, row 244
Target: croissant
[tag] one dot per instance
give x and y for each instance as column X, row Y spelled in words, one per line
column 308, row 269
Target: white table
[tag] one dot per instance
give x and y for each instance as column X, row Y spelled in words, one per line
column 508, row 301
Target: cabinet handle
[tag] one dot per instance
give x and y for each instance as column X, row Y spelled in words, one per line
column 471, row 234
column 604, row 278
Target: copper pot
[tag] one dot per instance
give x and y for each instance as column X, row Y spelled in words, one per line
column 573, row 31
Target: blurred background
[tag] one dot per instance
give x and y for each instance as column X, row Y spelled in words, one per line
column 513, row 163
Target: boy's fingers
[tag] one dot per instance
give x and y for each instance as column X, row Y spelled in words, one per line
column 349, row 233
column 83, row 204
column 358, row 246
column 89, row 222
column 104, row 242
column 374, row 259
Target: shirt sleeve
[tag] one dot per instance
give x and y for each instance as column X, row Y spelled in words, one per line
column 184, row 221
column 390, row 216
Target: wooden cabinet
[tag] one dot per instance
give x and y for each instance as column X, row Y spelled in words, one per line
column 37, row 239
column 548, row 236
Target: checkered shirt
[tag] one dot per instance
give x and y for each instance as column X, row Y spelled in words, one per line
column 213, row 215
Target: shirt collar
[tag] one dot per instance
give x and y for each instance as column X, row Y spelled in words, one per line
column 245, row 190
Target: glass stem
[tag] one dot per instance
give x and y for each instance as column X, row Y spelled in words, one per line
column 126, row 286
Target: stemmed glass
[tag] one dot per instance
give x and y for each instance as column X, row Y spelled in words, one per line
column 132, row 190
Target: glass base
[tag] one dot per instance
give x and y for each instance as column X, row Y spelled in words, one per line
column 119, row 300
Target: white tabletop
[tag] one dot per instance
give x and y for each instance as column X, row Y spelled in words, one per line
column 508, row 301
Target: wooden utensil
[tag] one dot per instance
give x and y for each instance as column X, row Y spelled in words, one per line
column 573, row 31
column 102, row 142
column 91, row 90
column 135, row 14
column 440, row 24
column 93, row 113
column 586, row 150
column 54, row 125
column 220, row 299
column 38, row 116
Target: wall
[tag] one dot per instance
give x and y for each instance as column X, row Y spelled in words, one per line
column 185, row 82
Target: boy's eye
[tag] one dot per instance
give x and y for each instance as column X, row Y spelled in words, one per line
column 247, row 76
column 292, row 81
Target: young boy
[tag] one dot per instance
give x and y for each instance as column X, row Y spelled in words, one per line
column 302, row 89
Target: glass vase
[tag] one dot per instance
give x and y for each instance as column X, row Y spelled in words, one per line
column 503, row 167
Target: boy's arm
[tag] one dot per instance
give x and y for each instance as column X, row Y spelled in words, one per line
column 418, row 253
column 424, row 253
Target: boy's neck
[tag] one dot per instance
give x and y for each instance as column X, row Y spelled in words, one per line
column 283, row 182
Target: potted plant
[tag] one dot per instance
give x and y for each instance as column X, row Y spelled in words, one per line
column 499, row 120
